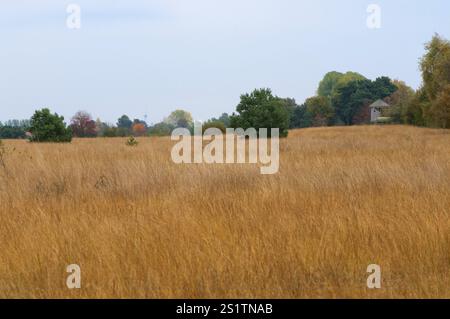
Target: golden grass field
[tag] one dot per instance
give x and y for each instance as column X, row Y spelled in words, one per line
column 141, row 226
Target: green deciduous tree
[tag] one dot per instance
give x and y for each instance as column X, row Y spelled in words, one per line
column 332, row 81
column 440, row 108
column 124, row 122
column 329, row 83
column 320, row 110
column 290, row 105
column 214, row 124
column 301, row 118
column 351, row 98
column 161, row 129
column 14, row 129
column 224, row 119
column 180, row 118
column 418, row 107
column 261, row 109
column 400, row 101
column 48, row 127
column 435, row 66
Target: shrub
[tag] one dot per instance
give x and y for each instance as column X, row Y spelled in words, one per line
column 384, row 120
column 261, row 109
column 440, row 109
column 2, row 155
column 132, row 141
column 47, row 127
column 214, row 124
column 161, row 129
column 11, row 132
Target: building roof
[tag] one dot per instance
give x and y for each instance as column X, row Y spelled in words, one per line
column 379, row 104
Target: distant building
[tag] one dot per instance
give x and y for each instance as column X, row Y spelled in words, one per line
column 376, row 110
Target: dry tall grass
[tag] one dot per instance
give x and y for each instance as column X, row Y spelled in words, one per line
column 142, row 227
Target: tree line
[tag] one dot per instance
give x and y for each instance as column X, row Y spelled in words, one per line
column 341, row 99
column 344, row 98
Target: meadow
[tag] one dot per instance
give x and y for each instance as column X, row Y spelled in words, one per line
column 141, row 226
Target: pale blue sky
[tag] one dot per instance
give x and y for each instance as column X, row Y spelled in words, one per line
column 151, row 57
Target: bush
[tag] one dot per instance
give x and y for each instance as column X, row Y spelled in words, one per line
column 132, row 141
column 10, row 132
column 260, row 109
column 47, row 127
column 161, row 129
column 214, row 124
column 2, row 155
column 384, row 120
column 440, row 109
column 14, row 129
